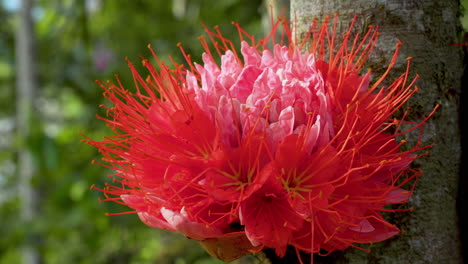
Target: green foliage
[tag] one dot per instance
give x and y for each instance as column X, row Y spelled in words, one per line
column 464, row 16
column 77, row 43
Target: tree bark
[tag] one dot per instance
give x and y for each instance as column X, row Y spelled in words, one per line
column 26, row 87
column 427, row 30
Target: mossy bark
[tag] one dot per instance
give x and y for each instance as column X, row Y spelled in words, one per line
column 427, row 30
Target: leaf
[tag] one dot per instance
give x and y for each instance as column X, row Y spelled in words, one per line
column 229, row 247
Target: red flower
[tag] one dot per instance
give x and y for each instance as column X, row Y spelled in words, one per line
column 285, row 147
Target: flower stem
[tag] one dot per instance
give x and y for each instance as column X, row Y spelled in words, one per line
column 289, row 258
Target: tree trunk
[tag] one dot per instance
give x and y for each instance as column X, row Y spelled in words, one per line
column 26, row 87
column 427, row 30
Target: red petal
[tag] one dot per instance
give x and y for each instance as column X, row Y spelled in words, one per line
column 268, row 217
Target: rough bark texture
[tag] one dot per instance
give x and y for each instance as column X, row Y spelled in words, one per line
column 427, row 30
column 26, row 87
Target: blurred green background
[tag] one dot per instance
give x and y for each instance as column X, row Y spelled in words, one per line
column 77, row 42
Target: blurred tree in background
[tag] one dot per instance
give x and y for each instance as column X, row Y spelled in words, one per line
column 77, row 42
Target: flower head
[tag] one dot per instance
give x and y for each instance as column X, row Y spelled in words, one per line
column 272, row 146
